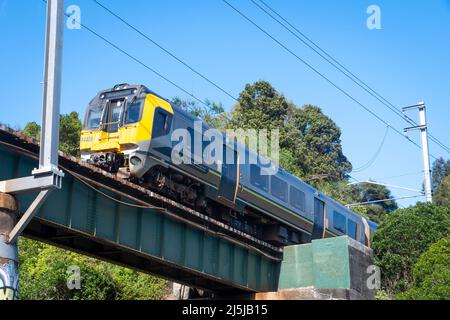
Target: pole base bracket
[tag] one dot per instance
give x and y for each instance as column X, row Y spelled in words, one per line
column 40, row 180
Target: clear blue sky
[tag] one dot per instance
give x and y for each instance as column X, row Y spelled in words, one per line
column 407, row 61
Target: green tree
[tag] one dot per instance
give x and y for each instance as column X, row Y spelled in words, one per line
column 309, row 140
column 431, row 274
column 318, row 151
column 402, row 237
column 132, row 285
column 32, row 130
column 44, row 276
column 212, row 113
column 346, row 193
column 260, row 106
column 368, row 192
column 43, row 272
column 442, row 193
column 440, row 170
column 69, row 133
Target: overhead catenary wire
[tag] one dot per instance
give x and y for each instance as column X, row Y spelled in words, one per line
column 135, row 59
column 361, row 83
column 379, row 118
column 401, row 175
column 147, row 37
column 380, row 201
column 375, row 156
column 336, row 64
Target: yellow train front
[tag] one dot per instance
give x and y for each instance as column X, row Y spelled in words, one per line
column 119, row 125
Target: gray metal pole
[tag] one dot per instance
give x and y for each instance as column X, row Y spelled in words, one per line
column 425, row 152
column 48, row 157
column 9, row 261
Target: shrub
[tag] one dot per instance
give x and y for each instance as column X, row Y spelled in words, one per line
column 402, row 237
column 431, row 274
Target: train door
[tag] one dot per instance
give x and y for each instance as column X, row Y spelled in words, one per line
column 229, row 181
column 319, row 219
column 114, row 111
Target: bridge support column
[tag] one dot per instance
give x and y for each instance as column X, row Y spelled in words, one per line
column 9, row 260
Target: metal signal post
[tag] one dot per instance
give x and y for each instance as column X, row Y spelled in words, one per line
column 45, row 178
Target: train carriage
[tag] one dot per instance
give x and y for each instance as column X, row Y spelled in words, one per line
column 128, row 130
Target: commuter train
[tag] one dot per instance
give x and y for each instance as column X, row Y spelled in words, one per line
column 128, row 130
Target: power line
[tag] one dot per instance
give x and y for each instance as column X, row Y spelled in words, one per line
column 322, row 75
column 401, row 206
column 401, row 175
column 123, row 20
column 388, row 186
column 379, row 201
column 135, row 59
column 327, row 57
column 375, row 156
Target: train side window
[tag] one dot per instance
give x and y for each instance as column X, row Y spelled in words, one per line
column 133, row 113
column 339, row 222
column 297, row 198
column 257, row 179
column 278, row 188
column 352, row 229
column 161, row 123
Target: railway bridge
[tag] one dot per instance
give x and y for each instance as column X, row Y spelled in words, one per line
column 109, row 218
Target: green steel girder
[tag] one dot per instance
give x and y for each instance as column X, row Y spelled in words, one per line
column 80, row 219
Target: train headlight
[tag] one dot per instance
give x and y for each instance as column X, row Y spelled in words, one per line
column 135, row 161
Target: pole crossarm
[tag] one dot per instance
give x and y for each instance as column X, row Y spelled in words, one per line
column 32, row 183
column 415, row 106
column 415, row 128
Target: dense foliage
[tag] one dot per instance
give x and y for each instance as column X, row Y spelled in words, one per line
column 431, row 274
column 211, row 112
column 69, row 133
column 368, row 192
column 44, row 275
column 440, row 170
column 309, row 140
column 70, row 130
column 32, row 130
column 442, row 193
column 402, row 237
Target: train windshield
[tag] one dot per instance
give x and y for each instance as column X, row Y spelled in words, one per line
column 133, row 113
column 94, row 117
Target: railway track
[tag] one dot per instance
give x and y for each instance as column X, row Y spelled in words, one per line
column 138, row 196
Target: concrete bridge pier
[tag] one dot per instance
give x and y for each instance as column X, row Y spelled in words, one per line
column 9, row 260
